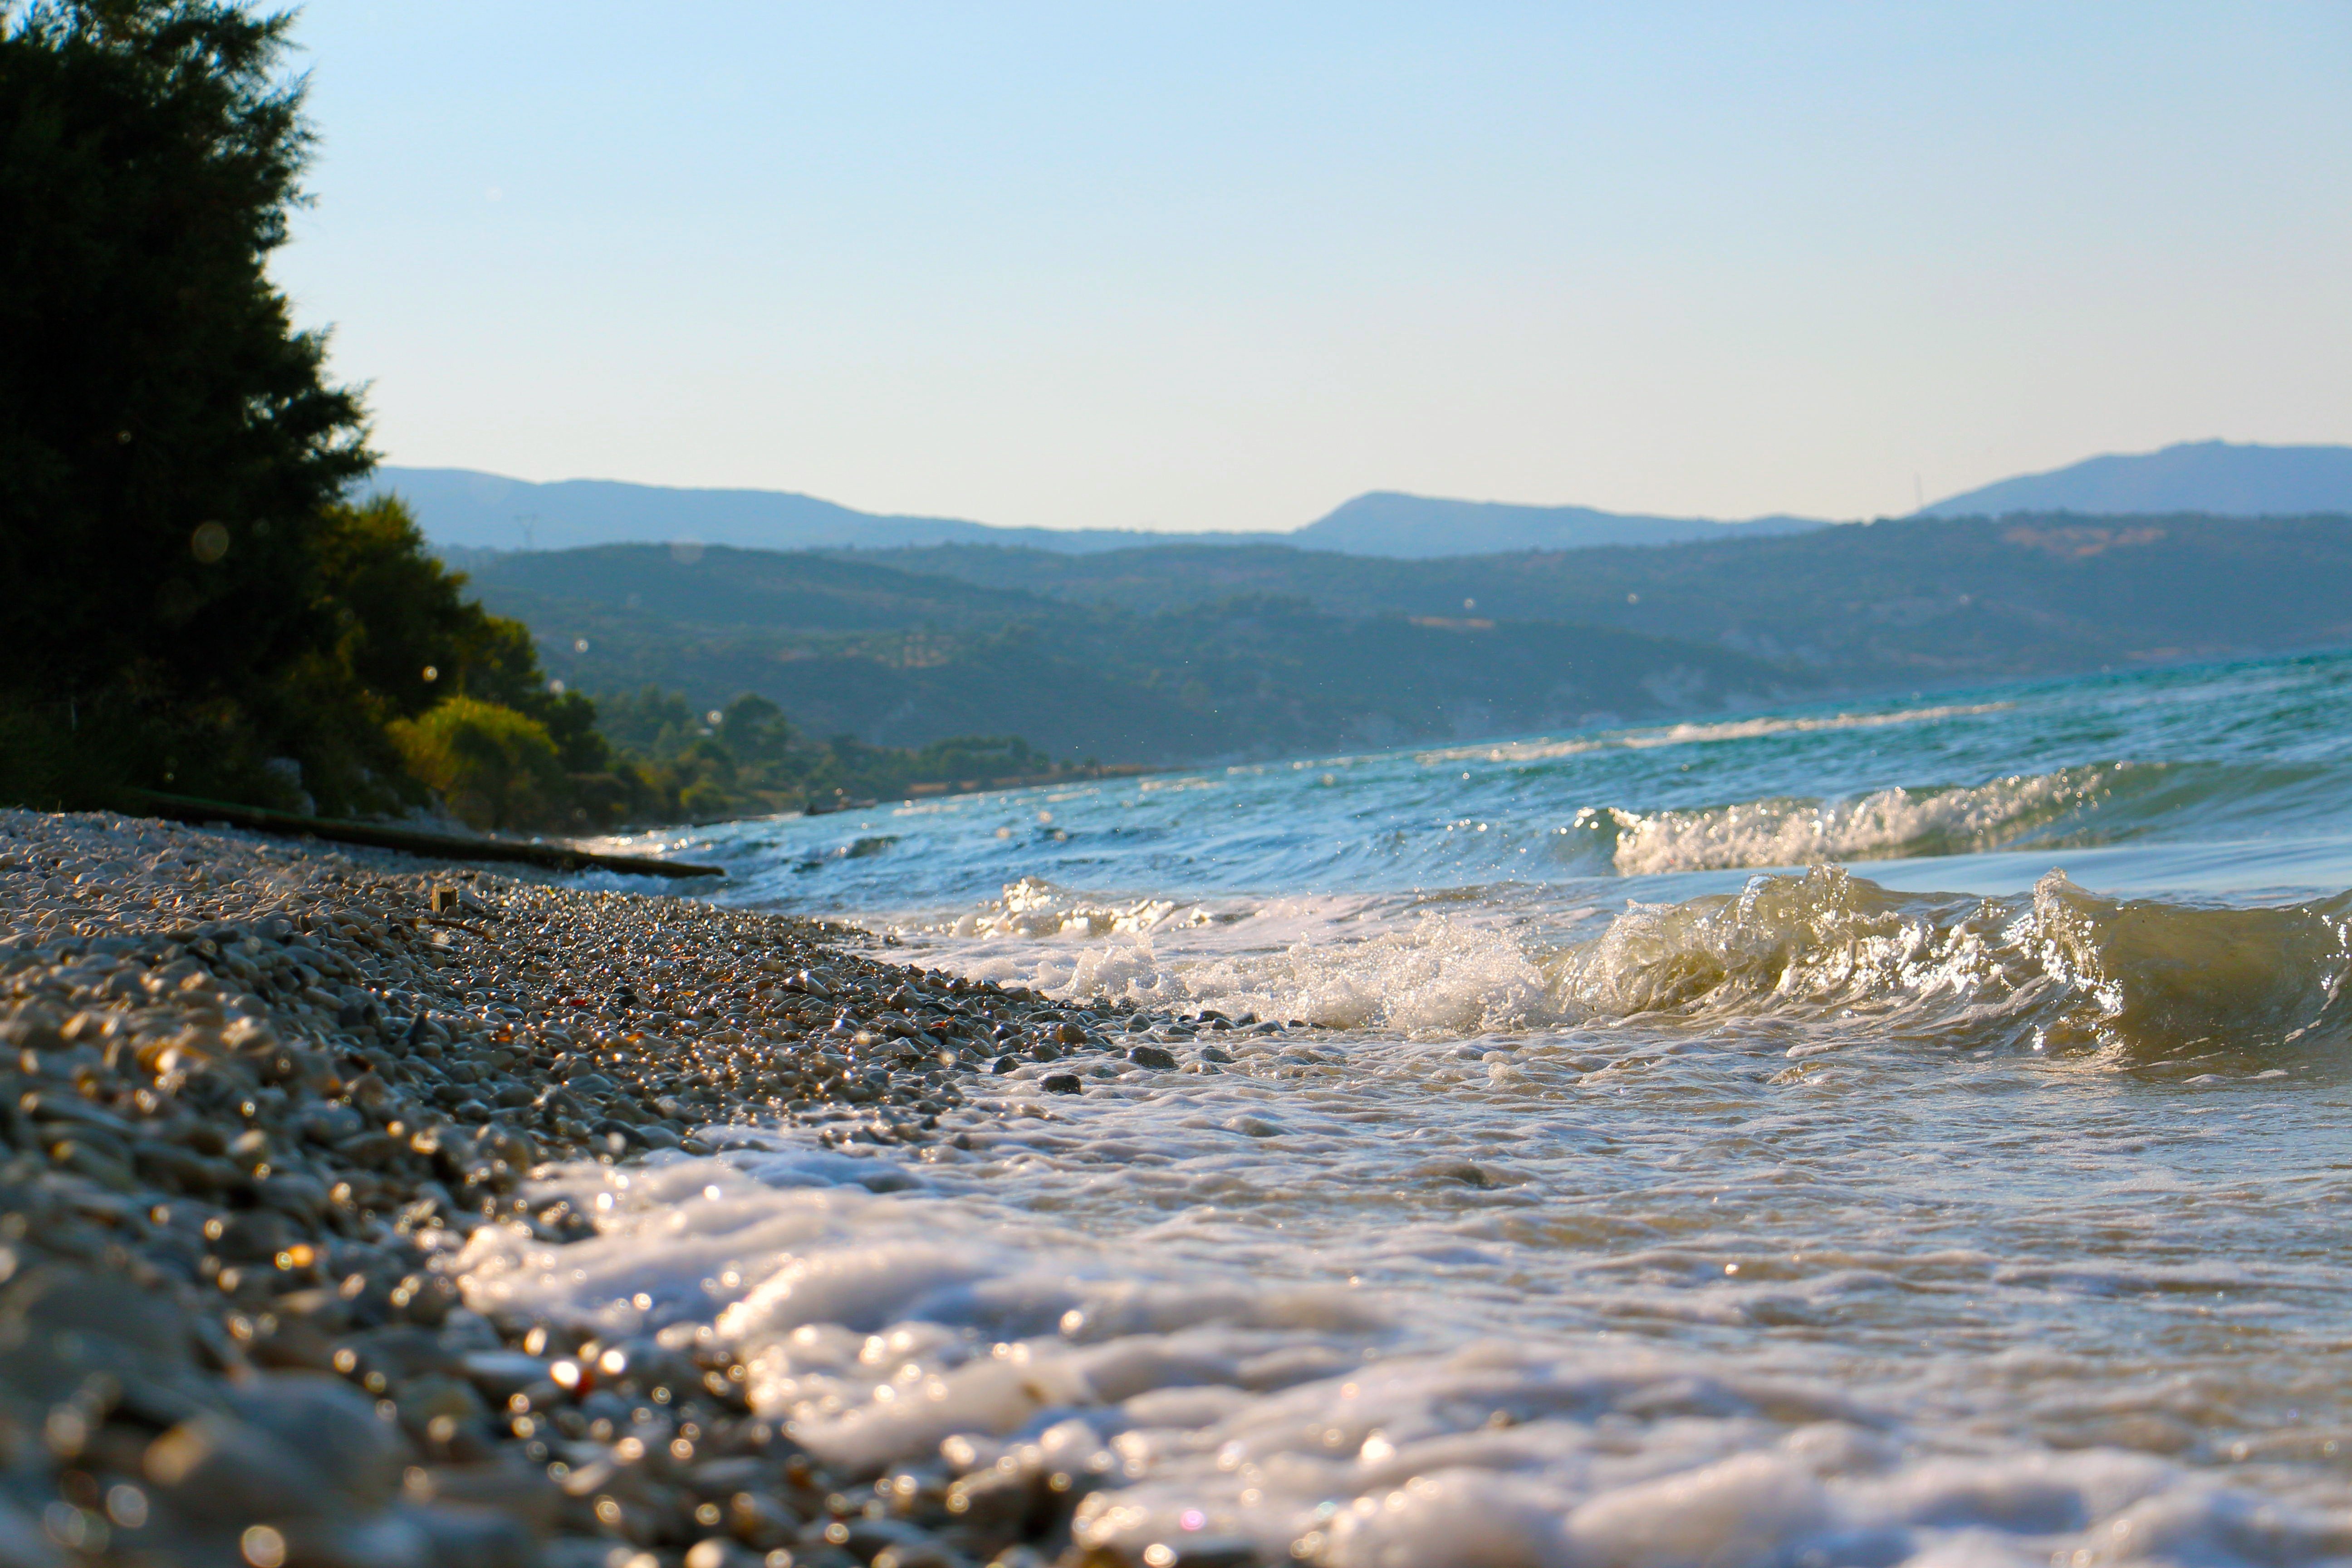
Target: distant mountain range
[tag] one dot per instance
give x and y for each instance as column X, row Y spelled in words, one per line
column 466, row 510
column 461, row 508
column 2218, row 477
column 1420, row 527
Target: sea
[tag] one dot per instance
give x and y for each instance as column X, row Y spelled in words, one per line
column 1914, row 1129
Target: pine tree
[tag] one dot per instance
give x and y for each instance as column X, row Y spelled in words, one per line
column 170, row 445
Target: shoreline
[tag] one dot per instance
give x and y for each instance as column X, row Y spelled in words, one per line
column 259, row 1094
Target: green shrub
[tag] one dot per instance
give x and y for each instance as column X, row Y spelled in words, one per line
column 494, row 767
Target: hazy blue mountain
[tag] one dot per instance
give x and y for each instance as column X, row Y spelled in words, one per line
column 1386, row 522
column 2220, row 477
column 464, row 509
column 460, row 506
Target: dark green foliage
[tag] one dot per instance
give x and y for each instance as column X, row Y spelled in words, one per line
column 571, row 720
column 403, row 626
column 191, row 605
column 688, row 764
column 168, row 443
column 650, row 723
column 410, row 636
column 494, row 766
column 412, row 645
column 754, row 729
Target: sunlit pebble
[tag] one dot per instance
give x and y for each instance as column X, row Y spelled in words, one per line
column 245, row 881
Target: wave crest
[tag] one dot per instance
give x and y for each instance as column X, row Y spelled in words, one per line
column 1034, row 907
column 1694, row 733
column 1882, row 824
column 2062, row 969
column 1834, row 958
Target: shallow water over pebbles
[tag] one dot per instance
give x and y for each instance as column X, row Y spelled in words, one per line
column 1635, row 1203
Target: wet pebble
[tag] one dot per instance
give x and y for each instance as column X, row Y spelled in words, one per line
column 256, row 1095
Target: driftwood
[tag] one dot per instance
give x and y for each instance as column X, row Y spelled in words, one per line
column 560, row 856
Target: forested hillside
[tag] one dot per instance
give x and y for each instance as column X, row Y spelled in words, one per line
column 902, row 659
column 1918, row 599
column 1189, row 651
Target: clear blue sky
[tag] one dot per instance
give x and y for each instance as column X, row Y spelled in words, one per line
column 1211, row 266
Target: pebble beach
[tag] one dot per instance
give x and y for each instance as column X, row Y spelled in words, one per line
column 1983, row 1210
column 263, row 1096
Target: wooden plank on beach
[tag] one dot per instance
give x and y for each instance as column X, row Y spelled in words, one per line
column 557, row 857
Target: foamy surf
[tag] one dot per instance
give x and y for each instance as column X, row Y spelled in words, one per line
column 2059, row 971
column 1445, row 965
column 1688, row 734
column 1517, row 1366
column 1881, row 825
column 1780, row 1218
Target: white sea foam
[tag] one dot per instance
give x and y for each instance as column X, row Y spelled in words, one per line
column 1348, row 962
column 2062, row 969
column 2065, row 970
column 1880, row 824
column 1693, row 734
column 1250, row 1406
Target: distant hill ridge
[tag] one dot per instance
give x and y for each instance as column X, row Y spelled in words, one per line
column 462, row 508
column 1409, row 527
column 2220, row 479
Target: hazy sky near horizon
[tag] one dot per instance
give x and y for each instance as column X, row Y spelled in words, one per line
column 1223, row 265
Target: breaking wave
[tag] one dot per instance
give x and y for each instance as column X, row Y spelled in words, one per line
column 1833, row 956
column 1692, row 733
column 2062, row 969
column 2101, row 802
column 1421, row 966
column 1807, row 1223
column 1881, row 825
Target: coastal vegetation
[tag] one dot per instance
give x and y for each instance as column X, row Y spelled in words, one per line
column 196, row 604
column 747, row 758
column 172, row 452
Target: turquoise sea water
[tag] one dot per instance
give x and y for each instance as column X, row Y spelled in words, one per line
column 1902, row 1131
